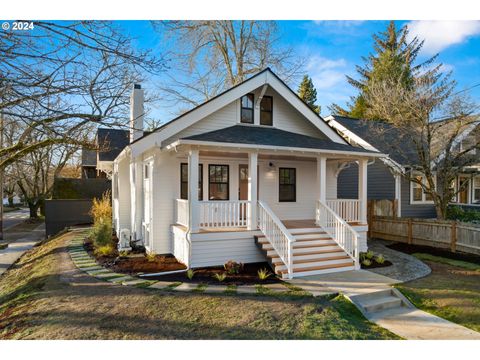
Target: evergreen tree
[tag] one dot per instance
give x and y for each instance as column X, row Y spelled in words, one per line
column 308, row 93
column 393, row 60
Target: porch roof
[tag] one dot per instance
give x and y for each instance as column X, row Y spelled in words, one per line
column 272, row 137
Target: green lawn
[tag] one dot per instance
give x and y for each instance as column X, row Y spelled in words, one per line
column 451, row 291
column 42, row 298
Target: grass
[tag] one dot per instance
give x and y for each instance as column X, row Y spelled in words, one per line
column 42, row 298
column 451, row 291
column 447, row 261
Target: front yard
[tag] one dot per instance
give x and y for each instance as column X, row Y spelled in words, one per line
column 451, row 291
column 45, row 297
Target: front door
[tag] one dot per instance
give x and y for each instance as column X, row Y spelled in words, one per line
column 463, row 190
column 242, row 182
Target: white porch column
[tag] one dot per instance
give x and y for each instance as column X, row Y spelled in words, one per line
column 194, row 210
column 362, row 189
column 398, row 191
column 252, row 191
column 322, row 178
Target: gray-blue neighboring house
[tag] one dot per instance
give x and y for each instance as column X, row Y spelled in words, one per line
column 384, row 175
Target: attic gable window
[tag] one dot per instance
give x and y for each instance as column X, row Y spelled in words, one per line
column 266, row 111
column 246, row 115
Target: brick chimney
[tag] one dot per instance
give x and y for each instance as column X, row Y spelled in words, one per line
column 136, row 113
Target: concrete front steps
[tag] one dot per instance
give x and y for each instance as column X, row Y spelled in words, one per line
column 381, row 300
column 314, row 252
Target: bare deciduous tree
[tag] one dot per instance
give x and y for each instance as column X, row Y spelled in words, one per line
column 61, row 76
column 430, row 118
column 215, row 55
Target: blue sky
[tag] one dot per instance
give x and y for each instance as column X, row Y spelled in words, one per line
column 331, row 50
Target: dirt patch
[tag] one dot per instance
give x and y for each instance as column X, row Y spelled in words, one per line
column 412, row 249
column 247, row 276
column 135, row 262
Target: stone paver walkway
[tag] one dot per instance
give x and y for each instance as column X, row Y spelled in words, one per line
column 404, row 267
column 409, row 323
column 86, row 263
column 19, row 246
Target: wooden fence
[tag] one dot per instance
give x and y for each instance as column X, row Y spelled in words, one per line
column 450, row 235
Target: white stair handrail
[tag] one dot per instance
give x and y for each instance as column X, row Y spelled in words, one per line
column 340, row 231
column 277, row 235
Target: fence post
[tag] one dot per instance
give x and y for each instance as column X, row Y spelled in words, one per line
column 410, row 231
column 394, row 208
column 370, row 215
column 453, row 237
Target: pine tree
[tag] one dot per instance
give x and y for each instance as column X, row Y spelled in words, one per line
column 308, row 93
column 393, row 60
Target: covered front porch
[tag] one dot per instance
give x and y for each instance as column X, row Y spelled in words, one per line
column 283, row 197
column 226, row 190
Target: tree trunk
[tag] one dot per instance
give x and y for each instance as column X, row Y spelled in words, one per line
column 33, row 207
column 10, row 201
column 441, row 210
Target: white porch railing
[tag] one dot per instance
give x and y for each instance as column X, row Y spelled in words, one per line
column 343, row 234
column 182, row 209
column 223, row 214
column 347, row 209
column 277, row 235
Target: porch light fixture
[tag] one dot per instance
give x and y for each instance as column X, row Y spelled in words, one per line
column 271, row 166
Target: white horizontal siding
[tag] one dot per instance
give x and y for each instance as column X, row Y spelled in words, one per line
column 218, row 251
column 285, row 117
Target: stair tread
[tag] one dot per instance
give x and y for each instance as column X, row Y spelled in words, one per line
column 338, row 249
column 304, row 261
column 380, row 300
column 321, row 267
column 265, row 241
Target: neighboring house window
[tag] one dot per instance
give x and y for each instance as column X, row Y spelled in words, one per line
column 218, row 182
column 417, row 194
column 184, row 181
column 266, row 111
column 476, row 190
column 246, row 115
column 287, row 184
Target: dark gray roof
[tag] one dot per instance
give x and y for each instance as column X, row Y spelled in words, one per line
column 383, row 136
column 256, row 135
column 111, row 142
column 89, row 157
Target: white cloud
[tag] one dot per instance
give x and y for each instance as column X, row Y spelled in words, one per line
column 325, row 72
column 439, row 35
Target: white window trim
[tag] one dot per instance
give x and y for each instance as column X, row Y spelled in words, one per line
column 412, row 183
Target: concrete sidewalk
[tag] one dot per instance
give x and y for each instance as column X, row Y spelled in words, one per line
column 407, row 322
column 23, row 241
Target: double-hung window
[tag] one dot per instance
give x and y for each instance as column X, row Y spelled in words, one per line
column 266, row 111
column 218, row 182
column 418, row 195
column 246, row 113
column 184, row 181
column 287, row 185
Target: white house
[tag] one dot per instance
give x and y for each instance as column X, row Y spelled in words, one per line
column 250, row 175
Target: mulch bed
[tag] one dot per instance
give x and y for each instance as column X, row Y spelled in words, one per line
column 376, row 265
column 411, row 249
column 135, row 263
column 248, row 276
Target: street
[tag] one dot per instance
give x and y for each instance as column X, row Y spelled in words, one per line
column 14, row 217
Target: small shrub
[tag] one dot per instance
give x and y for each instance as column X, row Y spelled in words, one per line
column 106, row 250
column 367, row 262
column 264, row 274
column 220, row 276
column 102, row 235
column 151, row 257
column 232, row 267
column 123, row 253
column 369, row 255
column 190, row 274
column 362, row 256
column 380, row 259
